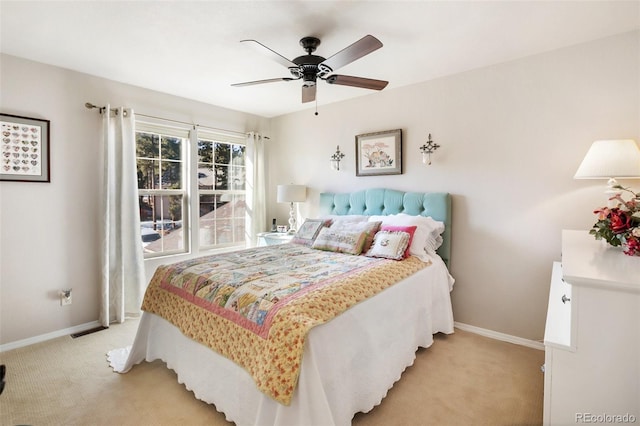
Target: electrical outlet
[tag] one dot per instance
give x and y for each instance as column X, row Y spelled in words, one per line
column 65, row 297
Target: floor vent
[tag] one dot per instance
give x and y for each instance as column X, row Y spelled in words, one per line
column 92, row 330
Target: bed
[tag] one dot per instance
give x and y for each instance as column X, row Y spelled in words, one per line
column 348, row 362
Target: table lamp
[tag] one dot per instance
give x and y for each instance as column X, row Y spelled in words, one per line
column 291, row 194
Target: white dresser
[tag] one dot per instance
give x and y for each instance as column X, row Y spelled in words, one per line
column 592, row 335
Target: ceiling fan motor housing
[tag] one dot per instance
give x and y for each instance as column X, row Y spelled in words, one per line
column 307, row 68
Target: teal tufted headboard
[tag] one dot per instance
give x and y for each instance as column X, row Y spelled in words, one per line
column 388, row 201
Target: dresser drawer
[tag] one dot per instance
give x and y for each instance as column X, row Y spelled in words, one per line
column 558, row 329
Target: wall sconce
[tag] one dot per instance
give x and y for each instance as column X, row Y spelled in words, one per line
column 335, row 159
column 427, row 149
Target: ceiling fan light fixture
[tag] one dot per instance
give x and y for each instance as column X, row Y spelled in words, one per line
column 295, row 71
column 323, row 71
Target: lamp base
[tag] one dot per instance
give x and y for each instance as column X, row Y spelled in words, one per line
column 612, row 191
column 292, row 220
column 612, row 183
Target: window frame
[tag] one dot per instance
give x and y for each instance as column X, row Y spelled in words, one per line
column 191, row 191
column 215, row 137
column 143, row 126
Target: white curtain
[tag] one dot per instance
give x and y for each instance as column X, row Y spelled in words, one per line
column 123, row 277
column 255, row 187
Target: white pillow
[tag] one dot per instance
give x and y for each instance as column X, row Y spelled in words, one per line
column 427, row 237
column 348, row 218
column 389, row 245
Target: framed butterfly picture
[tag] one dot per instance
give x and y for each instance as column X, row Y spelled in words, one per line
column 25, row 149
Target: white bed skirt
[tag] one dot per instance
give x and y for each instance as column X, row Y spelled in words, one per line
column 349, row 364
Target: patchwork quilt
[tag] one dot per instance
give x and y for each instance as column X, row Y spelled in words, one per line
column 256, row 306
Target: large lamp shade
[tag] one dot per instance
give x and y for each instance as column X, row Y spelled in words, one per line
column 608, row 159
column 292, row 193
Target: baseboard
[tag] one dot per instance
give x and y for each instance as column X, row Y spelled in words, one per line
column 48, row 336
column 82, row 327
column 500, row 336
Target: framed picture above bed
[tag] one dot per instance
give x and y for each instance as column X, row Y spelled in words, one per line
column 379, row 153
column 25, row 149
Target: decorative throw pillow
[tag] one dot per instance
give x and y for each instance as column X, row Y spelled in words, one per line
column 370, row 228
column 408, row 229
column 309, row 230
column 389, row 244
column 341, row 241
column 426, row 238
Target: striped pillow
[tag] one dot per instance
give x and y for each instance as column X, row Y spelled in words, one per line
column 369, row 227
column 341, row 241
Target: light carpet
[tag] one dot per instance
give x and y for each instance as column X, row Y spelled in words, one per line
column 463, row 379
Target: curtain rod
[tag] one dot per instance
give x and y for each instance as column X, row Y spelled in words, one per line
column 89, row 105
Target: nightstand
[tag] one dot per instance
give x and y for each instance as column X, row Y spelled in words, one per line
column 273, row 238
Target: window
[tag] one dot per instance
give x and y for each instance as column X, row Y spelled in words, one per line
column 176, row 187
column 160, row 160
column 221, row 191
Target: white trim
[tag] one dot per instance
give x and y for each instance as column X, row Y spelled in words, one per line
column 87, row 326
column 48, row 336
column 500, row 336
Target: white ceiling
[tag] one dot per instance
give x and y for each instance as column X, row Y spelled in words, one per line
column 192, row 49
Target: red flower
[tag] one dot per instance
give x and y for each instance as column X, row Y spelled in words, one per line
column 633, row 246
column 620, row 220
column 620, row 225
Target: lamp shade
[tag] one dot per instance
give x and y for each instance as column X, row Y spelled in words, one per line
column 291, row 193
column 611, row 159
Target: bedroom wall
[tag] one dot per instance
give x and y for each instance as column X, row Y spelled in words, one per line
column 49, row 238
column 512, row 136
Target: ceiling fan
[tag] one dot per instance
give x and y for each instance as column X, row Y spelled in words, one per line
column 311, row 67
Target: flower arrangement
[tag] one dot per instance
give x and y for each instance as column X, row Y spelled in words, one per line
column 620, row 225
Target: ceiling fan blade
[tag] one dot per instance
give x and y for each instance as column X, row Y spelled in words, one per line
column 308, row 93
column 365, row 83
column 364, row 46
column 270, row 53
column 270, row 80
